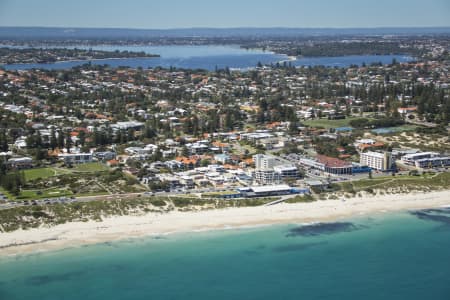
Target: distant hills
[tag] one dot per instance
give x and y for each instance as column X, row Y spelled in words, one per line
column 24, row 33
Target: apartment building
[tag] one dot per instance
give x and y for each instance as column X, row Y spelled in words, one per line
column 381, row 161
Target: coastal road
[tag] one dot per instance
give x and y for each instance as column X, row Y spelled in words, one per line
column 111, row 197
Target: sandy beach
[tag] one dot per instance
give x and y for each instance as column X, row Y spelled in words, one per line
column 123, row 227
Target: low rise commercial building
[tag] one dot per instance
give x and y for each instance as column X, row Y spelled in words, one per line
column 327, row 164
column 433, row 162
column 410, row 159
column 19, row 163
column 270, row 190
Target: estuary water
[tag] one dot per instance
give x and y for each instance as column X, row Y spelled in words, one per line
column 209, row 57
column 391, row 256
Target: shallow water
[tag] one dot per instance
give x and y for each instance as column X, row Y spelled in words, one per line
column 401, row 256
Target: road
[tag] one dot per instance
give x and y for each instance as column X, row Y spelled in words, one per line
column 63, row 200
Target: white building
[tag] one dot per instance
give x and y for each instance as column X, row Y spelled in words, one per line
column 263, row 161
column 20, row 162
column 272, row 169
column 442, row 161
column 376, row 160
column 75, row 158
column 287, row 171
column 410, row 159
column 267, row 176
column 127, row 125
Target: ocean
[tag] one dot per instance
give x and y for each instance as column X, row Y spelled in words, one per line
column 386, row 256
column 208, row 57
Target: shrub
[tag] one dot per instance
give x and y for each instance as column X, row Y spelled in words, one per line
column 158, row 202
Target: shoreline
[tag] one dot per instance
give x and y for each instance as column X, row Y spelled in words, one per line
column 76, row 60
column 77, row 234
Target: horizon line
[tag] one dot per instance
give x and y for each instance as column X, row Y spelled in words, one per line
column 232, row 28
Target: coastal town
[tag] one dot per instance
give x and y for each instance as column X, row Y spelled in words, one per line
column 224, row 150
column 269, row 131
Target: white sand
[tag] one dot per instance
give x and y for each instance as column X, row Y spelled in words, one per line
column 122, row 227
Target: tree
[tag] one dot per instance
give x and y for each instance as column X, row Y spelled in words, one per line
column 38, row 140
column 3, row 141
column 148, row 131
column 68, row 141
column 359, row 123
column 13, row 181
column 53, row 140
column 185, row 151
column 188, row 126
column 60, row 140
column 40, row 154
column 293, row 127
column 130, row 134
column 229, row 122
column 82, row 137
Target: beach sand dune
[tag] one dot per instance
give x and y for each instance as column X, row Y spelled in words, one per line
column 122, row 227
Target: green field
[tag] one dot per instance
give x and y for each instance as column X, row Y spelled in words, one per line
column 40, row 194
column 42, row 173
column 325, row 123
column 90, row 167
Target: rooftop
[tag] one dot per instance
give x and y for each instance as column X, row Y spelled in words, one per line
column 270, row 188
column 333, row 162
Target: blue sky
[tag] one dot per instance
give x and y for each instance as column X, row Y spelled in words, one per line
column 225, row 13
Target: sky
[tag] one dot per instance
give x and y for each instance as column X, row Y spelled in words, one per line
column 163, row 14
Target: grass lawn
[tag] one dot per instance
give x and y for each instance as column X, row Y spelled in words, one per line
column 43, row 173
column 325, row 123
column 90, row 167
column 48, row 193
column 6, row 193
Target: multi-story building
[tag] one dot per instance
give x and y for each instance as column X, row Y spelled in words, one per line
column 267, row 176
column 432, row 162
column 381, row 161
column 75, row 158
column 263, row 161
column 287, row 171
column 410, row 159
column 271, row 169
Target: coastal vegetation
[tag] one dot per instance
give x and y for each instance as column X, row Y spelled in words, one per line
column 52, row 55
column 167, row 131
column 26, row 217
column 428, row 181
column 350, row 48
column 49, row 215
column 81, row 180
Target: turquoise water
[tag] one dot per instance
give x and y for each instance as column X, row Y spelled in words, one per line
column 401, row 256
